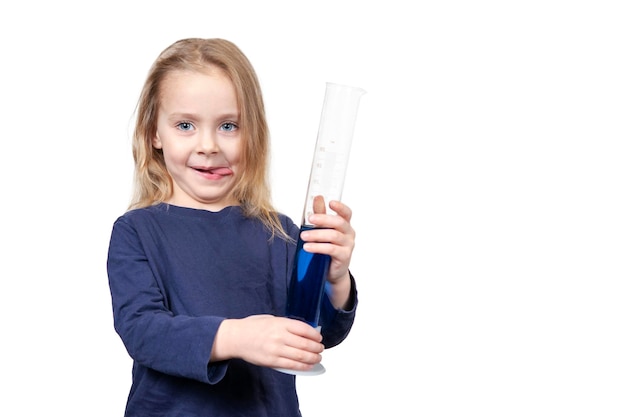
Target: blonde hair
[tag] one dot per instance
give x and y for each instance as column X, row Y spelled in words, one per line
column 153, row 184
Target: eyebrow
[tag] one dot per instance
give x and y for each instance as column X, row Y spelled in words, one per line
column 195, row 116
column 182, row 116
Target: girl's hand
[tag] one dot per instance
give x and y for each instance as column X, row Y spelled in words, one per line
column 333, row 236
column 266, row 340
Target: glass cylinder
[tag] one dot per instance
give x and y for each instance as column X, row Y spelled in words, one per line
column 326, row 181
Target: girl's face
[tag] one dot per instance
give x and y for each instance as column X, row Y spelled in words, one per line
column 198, row 132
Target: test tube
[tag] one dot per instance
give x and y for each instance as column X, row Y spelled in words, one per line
column 326, row 181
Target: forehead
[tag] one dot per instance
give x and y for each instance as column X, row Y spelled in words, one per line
column 189, row 86
column 182, row 77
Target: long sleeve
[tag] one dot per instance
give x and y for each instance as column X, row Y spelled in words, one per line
column 154, row 337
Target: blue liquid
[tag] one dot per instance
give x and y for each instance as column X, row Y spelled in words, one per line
column 308, row 279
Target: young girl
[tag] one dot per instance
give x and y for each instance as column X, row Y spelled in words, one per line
column 199, row 266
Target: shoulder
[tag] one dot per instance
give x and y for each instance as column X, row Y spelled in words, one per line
column 145, row 219
column 285, row 220
column 288, row 225
column 137, row 214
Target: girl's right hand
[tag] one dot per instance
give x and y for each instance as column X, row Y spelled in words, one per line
column 266, row 340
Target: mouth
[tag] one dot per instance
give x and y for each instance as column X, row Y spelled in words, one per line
column 214, row 172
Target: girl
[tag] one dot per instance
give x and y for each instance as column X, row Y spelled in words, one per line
column 199, row 265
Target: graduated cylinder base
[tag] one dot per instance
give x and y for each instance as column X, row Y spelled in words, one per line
column 308, row 278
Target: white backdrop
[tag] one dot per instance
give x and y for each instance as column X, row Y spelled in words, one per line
column 487, row 179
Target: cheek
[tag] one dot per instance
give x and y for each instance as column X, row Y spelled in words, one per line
column 174, row 157
column 234, row 152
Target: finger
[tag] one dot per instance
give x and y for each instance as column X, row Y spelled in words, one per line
column 319, row 206
column 303, row 345
column 341, row 209
column 302, row 356
column 295, row 364
column 303, row 330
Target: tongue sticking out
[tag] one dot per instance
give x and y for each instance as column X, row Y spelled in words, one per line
column 221, row 171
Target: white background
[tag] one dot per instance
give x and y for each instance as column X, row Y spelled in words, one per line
column 487, row 179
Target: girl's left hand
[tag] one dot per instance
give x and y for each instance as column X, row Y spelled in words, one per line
column 333, row 236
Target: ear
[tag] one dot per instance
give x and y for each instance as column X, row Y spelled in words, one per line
column 156, row 141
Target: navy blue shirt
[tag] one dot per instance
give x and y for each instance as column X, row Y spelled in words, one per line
column 175, row 273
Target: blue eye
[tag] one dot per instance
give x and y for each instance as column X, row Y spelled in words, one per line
column 229, row 127
column 185, row 126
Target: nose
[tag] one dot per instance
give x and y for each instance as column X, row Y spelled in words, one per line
column 207, row 143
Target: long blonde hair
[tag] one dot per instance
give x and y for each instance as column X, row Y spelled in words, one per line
column 153, row 183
